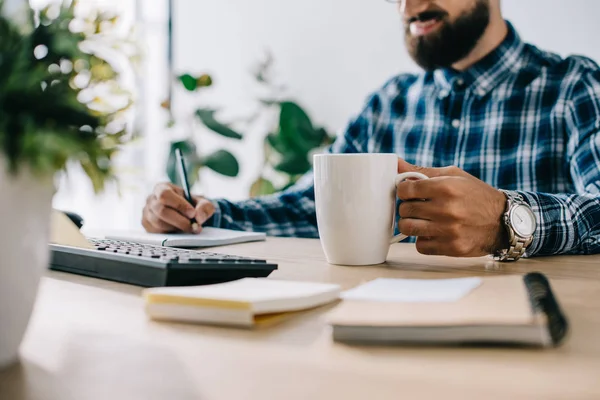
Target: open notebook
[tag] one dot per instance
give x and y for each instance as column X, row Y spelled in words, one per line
column 207, row 237
column 246, row 302
column 519, row 310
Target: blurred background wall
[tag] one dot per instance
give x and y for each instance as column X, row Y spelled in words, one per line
column 330, row 53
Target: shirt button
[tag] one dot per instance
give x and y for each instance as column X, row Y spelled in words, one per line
column 460, row 82
column 456, row 123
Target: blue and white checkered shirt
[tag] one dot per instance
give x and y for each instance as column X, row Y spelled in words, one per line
column 521, row 119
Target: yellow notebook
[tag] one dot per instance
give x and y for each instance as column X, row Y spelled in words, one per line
column 244, row 303
column 519, row 310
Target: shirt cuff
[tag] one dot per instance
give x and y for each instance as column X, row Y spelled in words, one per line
column 215, row 220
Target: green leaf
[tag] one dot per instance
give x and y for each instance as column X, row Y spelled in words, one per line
column 276, row 143
column 204, row 80
column 327, row 138
column 222, row 162
column 312, row 137
column 188, row 82
column 191, row 159
column 293, row 121
column 192, row 83
column 262, row 187
column 293, row 165
column 292, row 116
column 207, row 116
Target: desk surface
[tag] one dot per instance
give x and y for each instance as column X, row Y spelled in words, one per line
column 90, row 339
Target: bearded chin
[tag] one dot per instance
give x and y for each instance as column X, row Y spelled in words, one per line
column 452, row 42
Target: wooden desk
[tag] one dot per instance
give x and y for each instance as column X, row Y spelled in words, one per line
column 90, row 339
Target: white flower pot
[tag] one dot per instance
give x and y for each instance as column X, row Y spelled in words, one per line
column 25, row 205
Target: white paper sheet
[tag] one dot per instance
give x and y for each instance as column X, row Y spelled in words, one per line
column 413, row 290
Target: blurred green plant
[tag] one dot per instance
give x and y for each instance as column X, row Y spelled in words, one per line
column 54, row 84
column 289, row 144
column 221, row 161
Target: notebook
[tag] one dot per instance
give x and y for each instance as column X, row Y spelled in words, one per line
column 64, row 232
column 247, row 302
column 208, row 237
column 509, row 310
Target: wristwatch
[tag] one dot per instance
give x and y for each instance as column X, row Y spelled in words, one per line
column 520, row 223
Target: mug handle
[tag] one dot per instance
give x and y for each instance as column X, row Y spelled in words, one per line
column 402, row 178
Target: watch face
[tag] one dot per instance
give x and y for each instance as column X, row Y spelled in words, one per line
column 523, row 221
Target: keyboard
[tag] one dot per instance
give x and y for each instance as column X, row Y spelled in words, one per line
column 153, row 266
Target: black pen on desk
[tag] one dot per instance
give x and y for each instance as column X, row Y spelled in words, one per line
column 185, row 184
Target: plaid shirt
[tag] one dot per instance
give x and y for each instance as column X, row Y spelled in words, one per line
column 521, row 119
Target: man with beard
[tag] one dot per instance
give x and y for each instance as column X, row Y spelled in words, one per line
column 502, row 128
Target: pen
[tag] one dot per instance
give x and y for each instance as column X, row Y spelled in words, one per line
column 184, row 183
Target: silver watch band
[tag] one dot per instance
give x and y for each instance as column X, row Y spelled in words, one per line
column 516, row 249
column 517, row 245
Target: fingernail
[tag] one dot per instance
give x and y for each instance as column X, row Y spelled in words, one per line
column 190, row 213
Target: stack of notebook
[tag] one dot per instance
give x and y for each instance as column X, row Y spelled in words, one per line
column 517, row 310
column 505, row 309
column 246, row 302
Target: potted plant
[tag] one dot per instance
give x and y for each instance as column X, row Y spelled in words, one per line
column 53, row 111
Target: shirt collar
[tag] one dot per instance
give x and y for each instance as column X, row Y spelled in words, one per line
column 488, row 72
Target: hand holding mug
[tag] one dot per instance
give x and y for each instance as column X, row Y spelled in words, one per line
column 452, row 213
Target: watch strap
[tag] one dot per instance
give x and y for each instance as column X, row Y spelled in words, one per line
column 517, row 245
column 516, row 249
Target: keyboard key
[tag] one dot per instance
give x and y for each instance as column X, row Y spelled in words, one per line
column 170, row 255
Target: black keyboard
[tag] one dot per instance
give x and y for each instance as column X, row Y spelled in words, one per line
column 152, row 266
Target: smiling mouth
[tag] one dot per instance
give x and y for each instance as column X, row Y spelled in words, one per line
column 426, row 22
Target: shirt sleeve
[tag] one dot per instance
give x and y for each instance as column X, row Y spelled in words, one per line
column 291, row 213
column 570, row 223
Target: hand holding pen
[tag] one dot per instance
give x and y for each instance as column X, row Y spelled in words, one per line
column 171, row 208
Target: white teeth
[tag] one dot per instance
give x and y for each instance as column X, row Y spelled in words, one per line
column 428, row 23
column 418, row 28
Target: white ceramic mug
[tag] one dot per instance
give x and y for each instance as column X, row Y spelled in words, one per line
column 355, row 196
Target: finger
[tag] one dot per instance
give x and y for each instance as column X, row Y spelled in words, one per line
column 171, row 217
column 438, row 189
column 416, row 227
column 441, row 246
column 169, row 185
column 204, row 210
column 170, row 196
column 416, row 190
column 404, row 166
column 156, row 225
column 429, row 246
column 418, row 209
